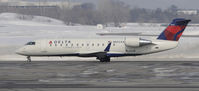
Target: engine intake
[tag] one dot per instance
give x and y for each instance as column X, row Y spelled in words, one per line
column 137, row 42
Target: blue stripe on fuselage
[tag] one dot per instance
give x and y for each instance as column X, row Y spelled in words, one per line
column 119, row 55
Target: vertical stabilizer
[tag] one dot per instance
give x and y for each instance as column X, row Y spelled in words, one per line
column 174, row 31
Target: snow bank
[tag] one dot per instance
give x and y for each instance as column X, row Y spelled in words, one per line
column 19, row 19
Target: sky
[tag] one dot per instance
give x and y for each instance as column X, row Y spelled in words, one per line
column 150, row 4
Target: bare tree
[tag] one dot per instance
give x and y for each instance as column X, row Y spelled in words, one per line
column 114, row 11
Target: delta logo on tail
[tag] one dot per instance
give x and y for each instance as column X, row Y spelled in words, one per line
column 174, row 30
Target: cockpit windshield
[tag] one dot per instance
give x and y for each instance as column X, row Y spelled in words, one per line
column 30, row 43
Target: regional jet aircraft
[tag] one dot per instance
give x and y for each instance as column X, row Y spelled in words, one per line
column 105, row 48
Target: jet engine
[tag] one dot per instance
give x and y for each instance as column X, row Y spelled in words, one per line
column 136, row 42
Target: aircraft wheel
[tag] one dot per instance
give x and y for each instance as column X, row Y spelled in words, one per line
column 28, row 59
column 106, row 59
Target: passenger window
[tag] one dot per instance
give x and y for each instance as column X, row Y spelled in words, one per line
column 93, row 45
column 55, row 44
column 66, row 44
column 113, row 44
column 82, row 44
column 103, row 44
column 87, row 44
column 60, row 44
column 98, row 44
column 77, row 44
column 71, row 44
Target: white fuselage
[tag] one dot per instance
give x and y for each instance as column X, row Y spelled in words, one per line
column 92, row 47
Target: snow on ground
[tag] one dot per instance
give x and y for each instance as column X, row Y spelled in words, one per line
column 16, row 30
column 18, row 19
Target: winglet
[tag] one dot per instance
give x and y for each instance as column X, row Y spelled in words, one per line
column 108, row 47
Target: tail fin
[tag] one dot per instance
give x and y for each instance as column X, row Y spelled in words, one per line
column 174, row 30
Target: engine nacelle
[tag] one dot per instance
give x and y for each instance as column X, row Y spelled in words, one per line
column 136, row 42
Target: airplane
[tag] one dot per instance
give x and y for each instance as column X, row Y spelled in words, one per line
column 105, row 48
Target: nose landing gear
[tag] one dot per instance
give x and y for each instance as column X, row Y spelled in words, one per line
column 28, row 59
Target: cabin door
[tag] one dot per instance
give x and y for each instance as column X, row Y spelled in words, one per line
column 43, row 46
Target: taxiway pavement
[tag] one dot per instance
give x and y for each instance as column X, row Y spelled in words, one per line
column 89, row 76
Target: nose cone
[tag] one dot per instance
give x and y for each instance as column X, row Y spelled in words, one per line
column 20, row 51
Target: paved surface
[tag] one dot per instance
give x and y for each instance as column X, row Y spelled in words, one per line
column 90, row 76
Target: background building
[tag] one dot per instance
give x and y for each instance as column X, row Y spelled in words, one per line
column 188, row 12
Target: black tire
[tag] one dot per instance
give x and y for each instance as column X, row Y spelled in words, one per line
column 106, row 59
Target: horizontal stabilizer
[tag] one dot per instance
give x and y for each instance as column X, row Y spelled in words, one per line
column 118, row 34
column 139, row 34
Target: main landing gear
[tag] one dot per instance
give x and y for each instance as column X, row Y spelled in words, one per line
column 28, row 59
column 104, row 59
